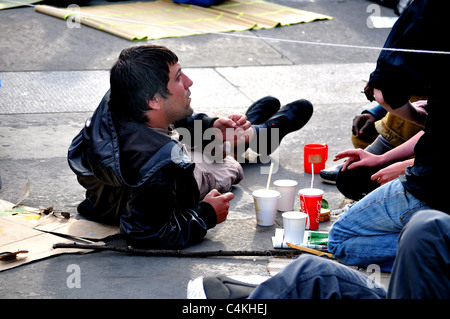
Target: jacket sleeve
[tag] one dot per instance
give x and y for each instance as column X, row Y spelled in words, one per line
column 193, row 130
column 188, row 122
column 400, row 74
column 377, row 111
column 164, row 214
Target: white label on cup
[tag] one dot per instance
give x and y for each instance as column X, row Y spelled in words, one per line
column 310, row 192
column 315, row 158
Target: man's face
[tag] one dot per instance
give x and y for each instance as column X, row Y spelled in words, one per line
column 177, row 105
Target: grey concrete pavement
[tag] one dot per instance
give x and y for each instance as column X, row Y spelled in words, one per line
column 53, row 78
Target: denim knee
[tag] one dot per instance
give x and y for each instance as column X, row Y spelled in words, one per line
column 312, row 277
column 423, row 227
column 422, row 265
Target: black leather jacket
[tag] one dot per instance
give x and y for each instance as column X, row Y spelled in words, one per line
column 140, row 179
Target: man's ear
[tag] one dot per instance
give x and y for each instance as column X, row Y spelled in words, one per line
column 155, row 103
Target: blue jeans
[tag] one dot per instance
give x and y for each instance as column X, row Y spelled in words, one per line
column 421, row 269
column 312, row 277
column 422, row 265
column 368, row 232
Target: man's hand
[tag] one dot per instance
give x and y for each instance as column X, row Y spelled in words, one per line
column 363, row 124
column 240, row 121
column 368, row 91
column 220, row 203
column 233, row 128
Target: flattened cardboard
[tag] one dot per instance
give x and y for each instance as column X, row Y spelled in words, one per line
column 15, row 236
column 80, row 228
column 24, row 228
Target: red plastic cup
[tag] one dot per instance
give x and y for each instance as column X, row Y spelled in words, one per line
column 316, row 155
column 311, row 203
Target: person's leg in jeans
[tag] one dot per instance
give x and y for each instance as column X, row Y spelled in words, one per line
column 312, row 277
column 421, row 269
column 422, row 266
column 368, row 232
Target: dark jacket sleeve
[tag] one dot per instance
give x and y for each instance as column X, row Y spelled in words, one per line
column 193, row 130
column 165, row 212
column 188, row 122
column 400, row 74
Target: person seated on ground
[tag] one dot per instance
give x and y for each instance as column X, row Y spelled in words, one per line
column 421, row 269
column 384, row 167
column 395, row 131
column 136, row 172
column 367, row 232
column 377, row 132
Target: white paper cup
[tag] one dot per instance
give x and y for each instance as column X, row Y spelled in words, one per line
column 286, row 187
column 294, row 226
column 266, row 201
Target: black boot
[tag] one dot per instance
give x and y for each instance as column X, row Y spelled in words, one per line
column 289, row 118
column 262, row 110
column 329, row 175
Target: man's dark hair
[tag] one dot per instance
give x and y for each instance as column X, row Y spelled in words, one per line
column 139, row 73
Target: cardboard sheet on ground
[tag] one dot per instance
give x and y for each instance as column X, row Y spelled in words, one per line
column 26, row 229
column 164, row 18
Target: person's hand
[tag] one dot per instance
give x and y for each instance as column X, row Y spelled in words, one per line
column 233, row 121
column 220, row 203
column 368, row 91
column 420, row 103
column 358, row 158
column 240, row 121
column 420, row 108
column 363, row 124
column 232, row 127
column 391, row 172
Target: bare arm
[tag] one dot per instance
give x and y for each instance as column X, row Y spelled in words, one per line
column 391, row 172
column 360, row 157
column 403, row 151
column 412, row 112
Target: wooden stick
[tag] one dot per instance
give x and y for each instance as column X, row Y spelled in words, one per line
column 309, row 250
column 181, row 253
